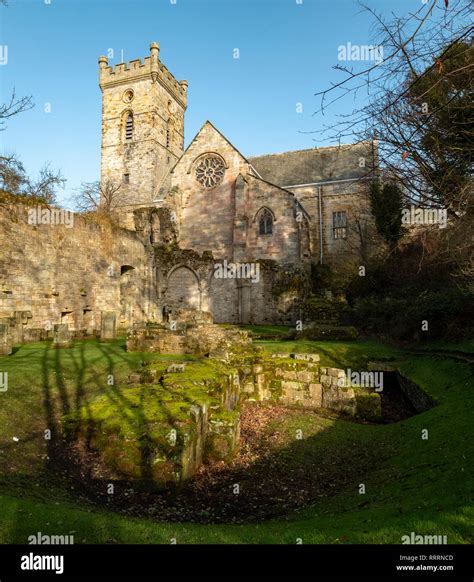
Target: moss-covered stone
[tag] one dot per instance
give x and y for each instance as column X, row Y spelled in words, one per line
column 145, row 432
column 158, row 432
column 163, row 430
column 223, row 436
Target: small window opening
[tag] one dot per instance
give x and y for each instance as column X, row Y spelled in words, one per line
column 129, row 127
column 339, row 225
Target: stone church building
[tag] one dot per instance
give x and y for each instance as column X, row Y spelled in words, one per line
column 290, row 208
column 204, row 227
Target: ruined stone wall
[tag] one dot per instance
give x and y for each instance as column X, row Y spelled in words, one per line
column 53, row 274
column 299, row 380
column 224, row 300
column 230, row 300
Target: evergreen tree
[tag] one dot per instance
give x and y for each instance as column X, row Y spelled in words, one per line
column 387, row 203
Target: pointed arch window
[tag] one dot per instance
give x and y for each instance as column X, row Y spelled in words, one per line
column 129, row 126
column 265, row 222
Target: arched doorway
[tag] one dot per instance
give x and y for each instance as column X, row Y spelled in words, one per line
column 182, row 290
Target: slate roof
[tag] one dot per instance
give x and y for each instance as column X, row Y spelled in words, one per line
column 314, row 165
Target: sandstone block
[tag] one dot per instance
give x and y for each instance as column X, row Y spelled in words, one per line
column 61, row 335
column 336, row 372
column 107, row 327
column 248, row 387
column 316, row 394
column 325, row 380
column 305, row 376
column 6, row 347
column 306, row 357
column 286, row 374
column 176, row 368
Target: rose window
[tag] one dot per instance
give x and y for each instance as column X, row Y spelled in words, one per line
column 210, row 171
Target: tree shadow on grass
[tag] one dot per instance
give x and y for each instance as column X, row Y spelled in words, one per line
column 71, row 380
column 276, row 481
column 331, row 460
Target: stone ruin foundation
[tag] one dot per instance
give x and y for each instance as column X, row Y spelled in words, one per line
column 192, row 332
column 202, row 396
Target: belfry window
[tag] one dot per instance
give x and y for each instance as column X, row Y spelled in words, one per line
column 129, row 127
column 339, row 225
column 265, row 222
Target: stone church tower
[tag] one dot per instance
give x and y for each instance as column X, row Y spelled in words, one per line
column 143, row 109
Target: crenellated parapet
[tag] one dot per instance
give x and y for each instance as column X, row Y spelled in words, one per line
column 151, row 67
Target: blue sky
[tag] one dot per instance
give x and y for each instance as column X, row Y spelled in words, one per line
column 287, row 51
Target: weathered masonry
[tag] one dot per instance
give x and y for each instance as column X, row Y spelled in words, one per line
column 203, row 227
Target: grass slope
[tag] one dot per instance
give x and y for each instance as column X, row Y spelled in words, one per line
column 424, row 486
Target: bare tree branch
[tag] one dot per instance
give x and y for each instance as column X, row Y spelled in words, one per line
column 13, row 107
column 97, row 197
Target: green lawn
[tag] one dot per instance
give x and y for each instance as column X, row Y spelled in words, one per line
column 466, row 346
column 335, row 353
column 268, row 331
column 424, row 486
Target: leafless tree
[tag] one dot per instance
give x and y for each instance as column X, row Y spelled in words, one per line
column 399, row 102
column 12, row 174
column 44, row 187
column 14, row 106
column 15, row 181
column 97, row 197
